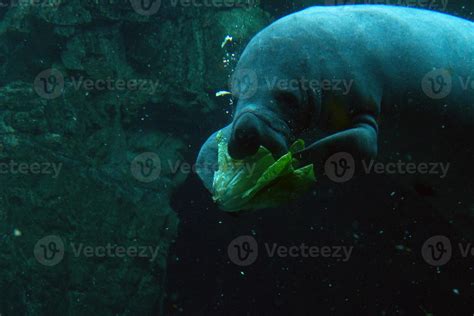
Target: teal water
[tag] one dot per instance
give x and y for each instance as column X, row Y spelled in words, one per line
column 104, row 106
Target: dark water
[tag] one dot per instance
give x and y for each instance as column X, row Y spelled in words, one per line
column 100, row 236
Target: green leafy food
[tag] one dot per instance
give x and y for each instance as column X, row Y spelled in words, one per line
column 259, row 181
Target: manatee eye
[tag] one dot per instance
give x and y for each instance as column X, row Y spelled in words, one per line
column 287, row 99
column 288, row 104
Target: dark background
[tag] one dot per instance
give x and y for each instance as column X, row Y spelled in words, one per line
column 386, row 274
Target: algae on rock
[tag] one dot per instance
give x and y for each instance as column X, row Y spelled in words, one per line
column 88, row 139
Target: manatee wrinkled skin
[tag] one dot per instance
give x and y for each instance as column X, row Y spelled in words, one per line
column 378, row 81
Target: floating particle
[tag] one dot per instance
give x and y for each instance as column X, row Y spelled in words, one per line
column 222, row 93
column 227, row 39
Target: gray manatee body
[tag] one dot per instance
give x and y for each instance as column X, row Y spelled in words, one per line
column 384, row 82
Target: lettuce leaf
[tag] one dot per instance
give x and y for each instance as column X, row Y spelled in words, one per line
column 259, row 181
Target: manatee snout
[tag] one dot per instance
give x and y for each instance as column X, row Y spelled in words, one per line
column 249, row 132
column 245, row 137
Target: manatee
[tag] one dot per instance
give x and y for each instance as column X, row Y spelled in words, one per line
column 393, row 84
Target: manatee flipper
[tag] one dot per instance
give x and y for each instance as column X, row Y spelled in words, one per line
column 206, row 163
column 360, row 141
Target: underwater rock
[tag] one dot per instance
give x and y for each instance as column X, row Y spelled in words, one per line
column 78, row 149
column 100, row 54
column 64, row 31
column 188, row 50
column 86, row 202
column 241, row 25
column 65, row 13
column 19, row 96
column 16, row 19
column 181, row 62
column 77, row 184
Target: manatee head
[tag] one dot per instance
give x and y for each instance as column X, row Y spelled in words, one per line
column 274, row 102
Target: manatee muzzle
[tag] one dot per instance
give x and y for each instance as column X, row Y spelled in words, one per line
column 250, row 131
